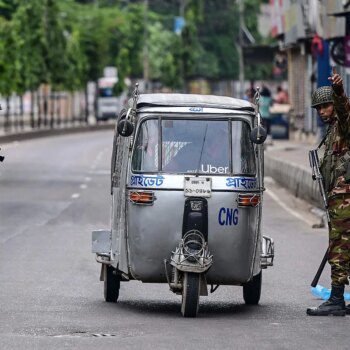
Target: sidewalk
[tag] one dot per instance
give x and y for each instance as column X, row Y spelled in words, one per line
column 287, row 163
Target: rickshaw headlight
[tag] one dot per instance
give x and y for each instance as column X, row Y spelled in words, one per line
column 248, row 200
column 142, row 197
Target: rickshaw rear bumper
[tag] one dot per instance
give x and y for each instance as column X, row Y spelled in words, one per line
column 267, row 253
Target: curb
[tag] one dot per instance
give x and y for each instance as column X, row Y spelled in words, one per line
column 295, row 178
column 34, row 134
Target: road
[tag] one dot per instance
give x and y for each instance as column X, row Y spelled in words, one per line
column 54, row 191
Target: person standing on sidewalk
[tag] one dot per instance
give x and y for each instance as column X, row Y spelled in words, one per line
column 265, row 103
column 333, row 107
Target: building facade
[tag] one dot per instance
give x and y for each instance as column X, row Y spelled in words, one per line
column 314, row 35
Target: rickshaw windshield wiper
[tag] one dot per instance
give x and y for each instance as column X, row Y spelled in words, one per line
column 200, row 157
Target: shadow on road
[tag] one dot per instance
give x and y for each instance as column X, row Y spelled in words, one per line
column 207, row 309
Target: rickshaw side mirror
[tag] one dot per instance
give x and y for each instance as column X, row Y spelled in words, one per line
column 258, row 135
column 125, row 128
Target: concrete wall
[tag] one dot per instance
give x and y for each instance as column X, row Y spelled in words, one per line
column 295, row 178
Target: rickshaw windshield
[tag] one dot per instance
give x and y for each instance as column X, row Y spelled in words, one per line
column 194, row 146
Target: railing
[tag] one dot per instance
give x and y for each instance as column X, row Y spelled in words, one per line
column 39, row 110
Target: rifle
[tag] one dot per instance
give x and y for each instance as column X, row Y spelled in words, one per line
column 316, row 175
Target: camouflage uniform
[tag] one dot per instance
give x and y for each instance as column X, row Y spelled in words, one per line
column 335, row 173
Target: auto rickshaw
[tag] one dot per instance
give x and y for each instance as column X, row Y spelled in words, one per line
column 187, row 190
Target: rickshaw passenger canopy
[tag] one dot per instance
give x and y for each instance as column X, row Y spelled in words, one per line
column 193, row 100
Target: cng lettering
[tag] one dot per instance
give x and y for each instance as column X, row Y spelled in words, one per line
column 228, row 216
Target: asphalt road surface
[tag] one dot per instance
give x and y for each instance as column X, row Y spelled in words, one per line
column 54, row 191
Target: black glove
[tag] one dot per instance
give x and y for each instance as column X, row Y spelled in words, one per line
column 338, row 89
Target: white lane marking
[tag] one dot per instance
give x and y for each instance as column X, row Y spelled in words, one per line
column 97, row 159
column 99, row 156
column 75, row 195
column 286, row 208
column 83, row 186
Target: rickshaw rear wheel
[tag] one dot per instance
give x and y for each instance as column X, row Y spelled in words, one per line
column 190, row 294
column 111, row 284
column 252, row 290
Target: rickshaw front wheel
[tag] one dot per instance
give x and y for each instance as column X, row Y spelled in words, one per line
column 252, row 290
column 111, row 284
column 190, row 294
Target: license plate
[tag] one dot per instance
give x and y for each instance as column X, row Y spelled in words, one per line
column 197, row 187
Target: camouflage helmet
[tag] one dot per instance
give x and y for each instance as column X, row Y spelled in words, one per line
column 322, row 95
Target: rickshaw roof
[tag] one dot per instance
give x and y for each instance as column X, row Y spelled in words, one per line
column 192, row 100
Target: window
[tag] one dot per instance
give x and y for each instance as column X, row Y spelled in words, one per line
column 243, row 160
column 195, row 146
column 145, row 157
column 105, row 92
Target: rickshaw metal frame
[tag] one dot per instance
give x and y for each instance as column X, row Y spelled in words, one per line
column 152, row 107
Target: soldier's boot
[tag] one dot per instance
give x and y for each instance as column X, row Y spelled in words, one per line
column 347, row 309
column 334, row 306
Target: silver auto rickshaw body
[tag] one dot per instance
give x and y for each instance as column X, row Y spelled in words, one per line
column 155, row 194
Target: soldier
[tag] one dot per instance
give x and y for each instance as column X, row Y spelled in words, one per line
column 333, row 107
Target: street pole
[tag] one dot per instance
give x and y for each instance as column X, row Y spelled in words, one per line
column 240, row 48
column 145, row 49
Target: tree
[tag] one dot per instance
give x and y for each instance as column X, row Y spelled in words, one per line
column 8, row 8
column 7, row 66
column 29, row 34
column 55, row 44
column 163, row 65
column 41, row 46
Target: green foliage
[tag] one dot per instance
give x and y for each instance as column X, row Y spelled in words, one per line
column 8, row 8
column 163, row 66
column 66, row 43
column 259, row 72
column 7, row 65
column 29, row 36
column 251, row 7
column 75, row 76
column 123, row 64
column 55, row 46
